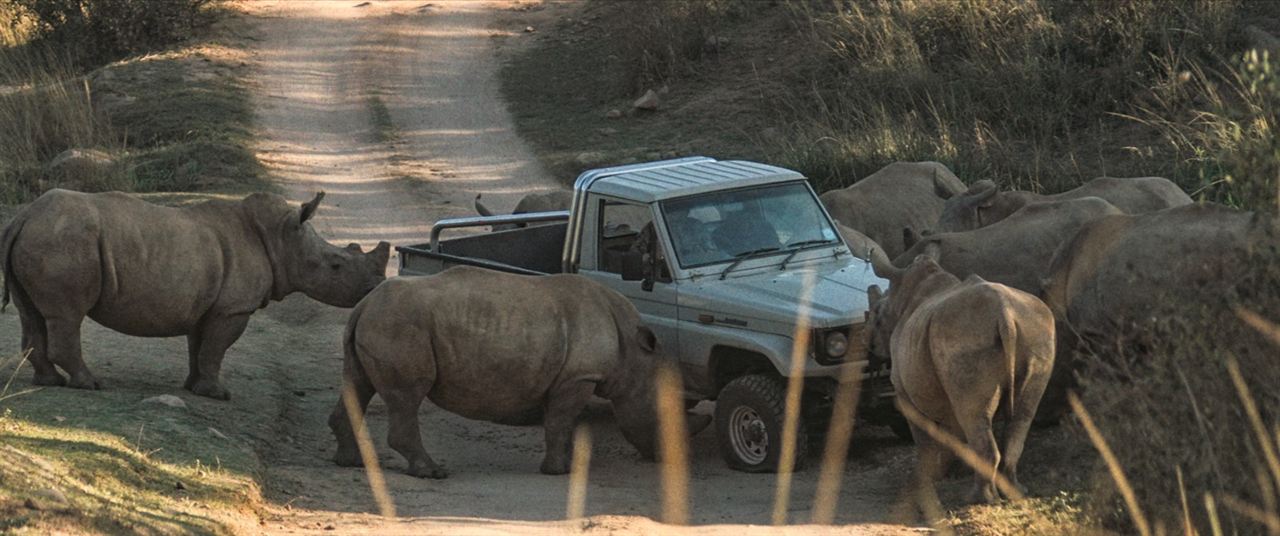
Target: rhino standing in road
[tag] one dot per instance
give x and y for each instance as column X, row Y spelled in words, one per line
column 983, row 204
column 902, row 194
column 153, row 271
column 498, row 347
column 535, row 202
column 961, row 352
column 1015, row 251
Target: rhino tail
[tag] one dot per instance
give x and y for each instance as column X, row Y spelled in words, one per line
column 352, row 369
column 1008, row 328
column 7, row 240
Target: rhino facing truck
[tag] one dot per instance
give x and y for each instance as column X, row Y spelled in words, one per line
column 723, row 260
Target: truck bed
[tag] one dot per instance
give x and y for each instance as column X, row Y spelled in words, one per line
column 533, row 250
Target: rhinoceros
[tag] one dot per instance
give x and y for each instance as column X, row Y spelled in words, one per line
column 1015, row 251
column 1122, row 270
column 963, row 352
column 536, row 202
column 153, row 271
column 983, row 204
column 902, row 194
column 498, row 347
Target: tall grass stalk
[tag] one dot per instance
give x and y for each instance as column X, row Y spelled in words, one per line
column 673, row 446
column 578, row 469
column 369, row 456
column 791, row 407
column 1113, row 466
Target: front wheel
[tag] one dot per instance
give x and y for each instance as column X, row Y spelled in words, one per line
column 749, row 417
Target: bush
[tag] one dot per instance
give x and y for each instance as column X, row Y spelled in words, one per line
column 107, row 29
column 1173, row 406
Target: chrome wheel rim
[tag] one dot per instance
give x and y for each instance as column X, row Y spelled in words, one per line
column 748, row 435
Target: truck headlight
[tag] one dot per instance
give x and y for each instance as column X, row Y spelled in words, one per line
column 836, row 344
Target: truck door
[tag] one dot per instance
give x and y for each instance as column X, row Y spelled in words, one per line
column 620, row 227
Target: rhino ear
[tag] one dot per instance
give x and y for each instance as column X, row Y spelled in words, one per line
column 940, row 188
column 648, row 341
column 309, row 209
column 909, row 237
column 354, row 248
column 480, row 208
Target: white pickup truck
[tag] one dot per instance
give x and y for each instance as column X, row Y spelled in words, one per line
column 718, row 256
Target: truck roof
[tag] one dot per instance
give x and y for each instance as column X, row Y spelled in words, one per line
column 666, row 179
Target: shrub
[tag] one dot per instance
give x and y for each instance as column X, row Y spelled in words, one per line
column 1172, row 406
column 108, row 29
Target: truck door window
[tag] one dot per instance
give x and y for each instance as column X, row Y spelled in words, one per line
column 625, row 227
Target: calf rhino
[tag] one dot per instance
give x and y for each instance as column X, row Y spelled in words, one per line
column 1015, row 251
column 983, row 204
column 902, row 194
column 963, row 351
column 535, row 202
column 153, row 271
column 492, row 346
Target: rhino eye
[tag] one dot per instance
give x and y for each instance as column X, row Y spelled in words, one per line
column 335, row 265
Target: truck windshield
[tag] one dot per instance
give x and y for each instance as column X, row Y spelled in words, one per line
column 717, row 227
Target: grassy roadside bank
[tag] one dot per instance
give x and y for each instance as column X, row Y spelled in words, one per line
column 173, row 118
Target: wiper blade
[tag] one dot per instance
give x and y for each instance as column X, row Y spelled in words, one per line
column 799, row 246
column 737, row 259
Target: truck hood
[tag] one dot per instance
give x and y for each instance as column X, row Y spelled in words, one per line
column 769, row 299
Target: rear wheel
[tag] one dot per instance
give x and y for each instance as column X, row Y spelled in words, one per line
column 749, row 418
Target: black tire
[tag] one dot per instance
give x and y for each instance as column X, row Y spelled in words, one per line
column 749, row 415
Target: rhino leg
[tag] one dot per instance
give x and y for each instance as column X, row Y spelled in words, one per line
column 34, row 341
column 348, row 454
column 564, row 406
column 1020, row 421
column 63, row 344
column 931, row 460
column 214, row 337
column 975, row 415
column 404, row 437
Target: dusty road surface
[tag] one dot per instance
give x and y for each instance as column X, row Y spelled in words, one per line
column 393, row 109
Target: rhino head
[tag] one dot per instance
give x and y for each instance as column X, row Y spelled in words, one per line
column 632, row 393
column 303, row 261
column 967, row 211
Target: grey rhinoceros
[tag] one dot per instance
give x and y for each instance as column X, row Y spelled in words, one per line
column 964, row 353
column 153, row 271
column 498, row 347
column 535, row 202
column 983, row 204
column 902, row 194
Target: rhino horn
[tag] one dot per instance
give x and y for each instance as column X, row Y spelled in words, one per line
column 309, row 209
column 480, row 208
column 940, row 188
column 881, row 264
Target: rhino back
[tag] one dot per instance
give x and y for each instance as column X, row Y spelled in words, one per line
column 483, row 344
column 1017, row 250
column 135, row 267
column 1142, row 265
column 1131, row 195
column 900, row 195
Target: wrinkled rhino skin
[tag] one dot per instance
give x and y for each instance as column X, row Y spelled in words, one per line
column 493, row 346
column 1017, row 250
column 153, row 271
column 983, row 204
column 902, row 194
column 961, row 352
